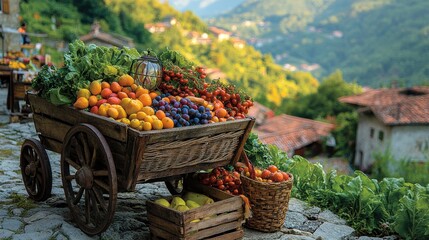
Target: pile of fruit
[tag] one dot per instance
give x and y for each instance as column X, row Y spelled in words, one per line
column 220, row 178
column 126, row 102
column 190, row 200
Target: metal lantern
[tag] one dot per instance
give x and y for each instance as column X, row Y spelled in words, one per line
column 146, row 71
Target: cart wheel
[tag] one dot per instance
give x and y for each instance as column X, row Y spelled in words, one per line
column 89, row 178
column 176, row 185
column 36, row 170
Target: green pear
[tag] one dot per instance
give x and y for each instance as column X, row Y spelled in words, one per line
column 177, row 201
column 162, row 202
column 192, row 204
column 181, row 208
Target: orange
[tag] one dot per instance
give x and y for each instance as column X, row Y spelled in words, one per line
column 113, row 112
column 134, row 87
column 122, row 95
column 92, row 100
column 153, row 95
column 160, row 114
column 81, row 103
column 157, row 125
column 126, row 90
column 105, row 85
column 215, row 119
column 145, row 99
column 221, row 113
column 115, row 87
column 95, row 87
column 166, row 99
column 273, row 168
column 105, row 93
column 147, row 126
column 266, row 174
column 167, row 122
column 126, row 80
column 148, row 110
column 140, row 90
column 277, row 177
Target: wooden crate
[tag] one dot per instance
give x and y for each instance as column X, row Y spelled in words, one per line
column 227, row 216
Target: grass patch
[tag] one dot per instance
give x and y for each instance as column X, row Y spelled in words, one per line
column 21, row 201
column 6, row 152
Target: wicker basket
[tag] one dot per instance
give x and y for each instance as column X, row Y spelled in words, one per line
column 269, row 203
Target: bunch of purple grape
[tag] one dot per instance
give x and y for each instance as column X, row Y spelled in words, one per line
column 183, row 112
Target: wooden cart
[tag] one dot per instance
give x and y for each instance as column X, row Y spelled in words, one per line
column 101, row 157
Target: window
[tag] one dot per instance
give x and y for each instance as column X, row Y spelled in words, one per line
column 4, row 6
column 380, row 135
column 371, row 133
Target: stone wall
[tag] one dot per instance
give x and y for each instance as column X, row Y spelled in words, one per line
column 11, row 20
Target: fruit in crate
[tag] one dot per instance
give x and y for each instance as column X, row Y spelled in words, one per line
column 270, row 174
column 189, row 200
column 220, row 178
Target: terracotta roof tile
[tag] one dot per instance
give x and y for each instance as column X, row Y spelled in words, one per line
column 396, row 106
column 290, row 132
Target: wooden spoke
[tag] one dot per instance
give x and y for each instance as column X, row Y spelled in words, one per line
column 36, row 170
column 101, row 184
column 95, row 175
column 101, row 173
column 72, row 163
column 87, row 207
column 78, row 196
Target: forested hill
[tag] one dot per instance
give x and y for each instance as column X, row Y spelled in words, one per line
column 256, row 73
column 374, row 42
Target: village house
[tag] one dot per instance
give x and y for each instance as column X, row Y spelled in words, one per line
column 198, row 38
column 220, row 34
column 293, row 135
column 9, row 20
column 238, row 43
column 394, row 120
column 162, row 26
column 100, row 38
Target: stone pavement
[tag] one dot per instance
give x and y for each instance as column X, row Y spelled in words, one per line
column 22, row 219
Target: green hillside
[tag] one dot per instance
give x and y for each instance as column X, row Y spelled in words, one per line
column 258, row 74
column 377, row 41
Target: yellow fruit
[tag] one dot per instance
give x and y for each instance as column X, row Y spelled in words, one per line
column 176, row 201
column 83, row 92
column 121, row 111
column 182, row 208
column 131, row 106
column 95, row 87
column 135, row 123
column 133, row 116
column 92, row 100
column 113, row 112
column 162, row 202
column 148, row 110
column 199, row 198
column 141, row 115
column 145, row 99
column 126, row 80
column 147, row 126
column 102, row 110
column 126, row 121
column 81, row 103
column 191, row 204
column 157, row 124
column 148, row 119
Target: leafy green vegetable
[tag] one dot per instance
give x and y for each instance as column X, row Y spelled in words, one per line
column 82, row 64
column 371, row 207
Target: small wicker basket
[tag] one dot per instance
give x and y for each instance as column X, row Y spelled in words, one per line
column 269, row 203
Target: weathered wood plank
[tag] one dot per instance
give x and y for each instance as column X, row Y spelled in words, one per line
column 50, row 128
column 72, row 116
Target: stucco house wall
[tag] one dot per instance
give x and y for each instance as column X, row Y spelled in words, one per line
column 410, row 143
column 367, row 143
column 12, row 41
